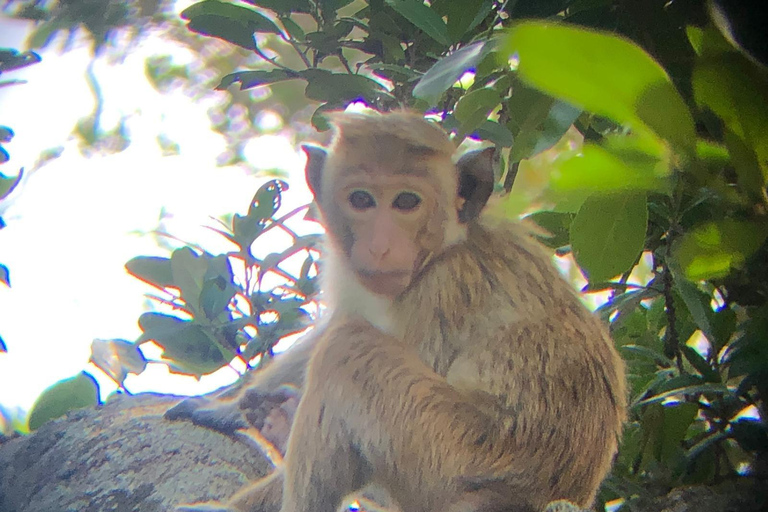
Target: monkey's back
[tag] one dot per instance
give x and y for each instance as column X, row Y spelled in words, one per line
column 499, row 322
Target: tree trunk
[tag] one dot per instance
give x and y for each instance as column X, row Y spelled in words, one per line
column 122, row 457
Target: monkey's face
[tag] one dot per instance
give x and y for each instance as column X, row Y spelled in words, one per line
column 391, row 197
column 387, row 226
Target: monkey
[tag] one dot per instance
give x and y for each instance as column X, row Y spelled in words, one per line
column 457, row 369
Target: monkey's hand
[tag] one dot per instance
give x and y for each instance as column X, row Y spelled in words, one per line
column 280, row 407
column 221, row 416
column 270, row 411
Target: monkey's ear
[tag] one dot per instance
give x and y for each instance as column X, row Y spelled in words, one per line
column 475, row 182
column 314, row 169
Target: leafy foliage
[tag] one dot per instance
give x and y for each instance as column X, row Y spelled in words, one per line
column 655, row 162
column 224, row 306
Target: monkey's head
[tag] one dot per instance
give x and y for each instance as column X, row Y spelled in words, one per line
column 391, row 197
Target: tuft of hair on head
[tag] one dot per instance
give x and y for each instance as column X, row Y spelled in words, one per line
column 409, row 127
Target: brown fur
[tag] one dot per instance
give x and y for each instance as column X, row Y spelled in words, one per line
column 485, row 385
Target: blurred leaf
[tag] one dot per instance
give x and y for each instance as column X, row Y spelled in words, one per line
column 422, row 17
column 604, row 74
column 267, row 200
column 3, row 348
column 556, row 224
column 7, row 185
column 723, row 327
column 537, row 120
column 6, row 134
column 218, row 287
column 446, row 71
column 473, row 108
column 730, row 87
column 187, row 346
column 602, row 169
column 68, row 394
column 117, row 358
column 716, row 389
column 495, row 132
column 697, row 304
column 284, row 6
column 713, row 249
column 677, row 419
column 294, row 30
column 701, row 364
column 250, row 79
column 608, row 234
column 227, row 21
column 325, row 86
column 5, row 275
column 463, row 16
column 188, row 270
column 11, row 59
column 153, row 270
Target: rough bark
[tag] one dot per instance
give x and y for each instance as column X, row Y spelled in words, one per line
column 122, row 457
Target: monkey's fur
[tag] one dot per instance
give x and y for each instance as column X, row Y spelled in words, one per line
column 480, row 383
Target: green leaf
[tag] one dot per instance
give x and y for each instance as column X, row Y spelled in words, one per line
column 188, row 270
column 5, row 275
column 537, row 121
column 424, row 18
column 7, row 185
column 608, row 234
column 250, row 79
column 473, row 108
column 696, row 302
column 604, row 74
column 696, row 389
column 557, row 225
column 677, row 419
column 330, row 87
column 731, row 88
column 446, row 71
column 712, row 250
column 267, row 200
column 189, row 348
column 227, row 21
column 68, row 394
column 701, row 364
column 284, row 6
column 496, row 133
column 153, row 270
column 463, row 16
column 218, row 288
column 293, row 29
column 602, row 168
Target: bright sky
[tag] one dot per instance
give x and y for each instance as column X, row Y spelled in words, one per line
column 74, row 223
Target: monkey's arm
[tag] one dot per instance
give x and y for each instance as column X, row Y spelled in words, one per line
column 258, row 394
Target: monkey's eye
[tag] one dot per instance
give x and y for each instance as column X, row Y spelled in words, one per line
column 361, row 200
column 406, row 201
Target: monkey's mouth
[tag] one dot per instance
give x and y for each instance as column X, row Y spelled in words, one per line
column 390, row 284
